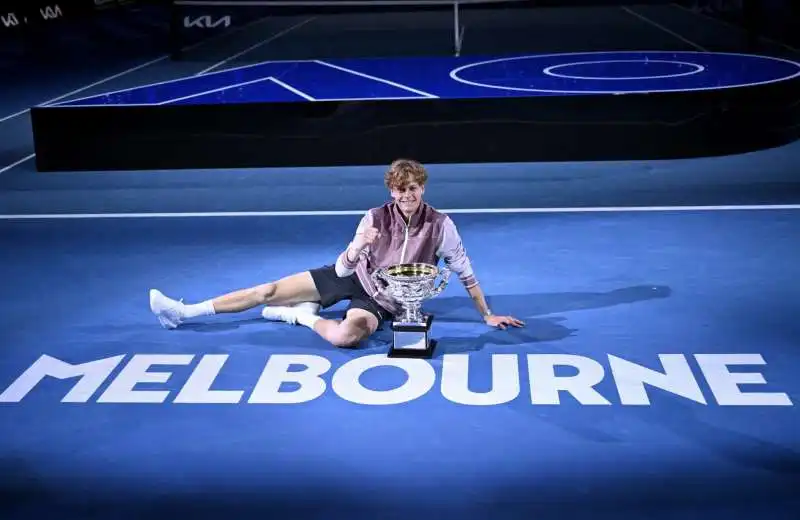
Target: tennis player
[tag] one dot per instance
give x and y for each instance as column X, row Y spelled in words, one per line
column 404, row 230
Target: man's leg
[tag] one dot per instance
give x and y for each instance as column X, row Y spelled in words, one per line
column 289, row 290
column 361, row 319
column 356, row 326
column 297, row 288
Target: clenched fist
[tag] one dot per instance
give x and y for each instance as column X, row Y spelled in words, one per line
column 365, row 238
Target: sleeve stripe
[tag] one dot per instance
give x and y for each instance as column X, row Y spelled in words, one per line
column 469, row 281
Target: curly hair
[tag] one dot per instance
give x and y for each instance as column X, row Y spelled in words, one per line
column 403, row 172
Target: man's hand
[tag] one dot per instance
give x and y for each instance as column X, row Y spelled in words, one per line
column 362, row 240
column 365, row 238
column 502, row 322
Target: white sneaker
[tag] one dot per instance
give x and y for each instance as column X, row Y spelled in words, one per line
column 289, row 313
column 167, row 310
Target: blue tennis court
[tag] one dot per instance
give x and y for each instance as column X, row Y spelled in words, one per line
column 654, row 377
column 463, row 77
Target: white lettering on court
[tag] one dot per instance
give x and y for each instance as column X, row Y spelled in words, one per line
column 546, row 386
column 297, row 379
column 198, row 387
column 677, row 378
column 505, row 380
column 725, row 385
column 121, row 389
column 347, row 385
column 268, row 388
column 91, row 374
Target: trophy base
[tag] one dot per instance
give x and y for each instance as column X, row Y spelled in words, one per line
column 412, row 340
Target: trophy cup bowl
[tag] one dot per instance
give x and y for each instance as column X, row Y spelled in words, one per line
column 410, row 285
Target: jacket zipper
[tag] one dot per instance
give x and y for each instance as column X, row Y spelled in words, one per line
column 405, row 243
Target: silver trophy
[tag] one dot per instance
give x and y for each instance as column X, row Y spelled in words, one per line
column 410, row 285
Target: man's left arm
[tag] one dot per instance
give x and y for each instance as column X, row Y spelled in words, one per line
column 476, row 293
column 455, row 257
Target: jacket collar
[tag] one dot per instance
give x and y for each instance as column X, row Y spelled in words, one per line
column 416, row 218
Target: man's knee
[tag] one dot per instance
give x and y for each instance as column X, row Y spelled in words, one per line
column 296, row 288
column 344, row 338
column 264, row 292
column 357, row 326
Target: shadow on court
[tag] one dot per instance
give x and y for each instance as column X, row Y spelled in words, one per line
column 747, row 451
column 624, row 492
column 461, row 310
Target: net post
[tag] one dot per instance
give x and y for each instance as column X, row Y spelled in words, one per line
column 458, row 31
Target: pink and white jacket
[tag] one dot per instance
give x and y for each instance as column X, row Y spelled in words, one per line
column 428, row 237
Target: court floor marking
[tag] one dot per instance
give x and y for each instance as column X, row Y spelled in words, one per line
column 156, row 84
column 463, row 211
column 253, row 65
column 454, row 74
column 86, row 87
column 725, row 23
column 659, row 26
column 549, row 70
column 257, row 45
column 375, row 78
column 123, row 73
column 292, row 89
column 236, row 85
column 17, row 163
column 76, row 91
column 231, row 32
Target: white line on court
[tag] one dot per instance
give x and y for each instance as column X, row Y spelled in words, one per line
column 549, row 70
column 465, row 211
column 86, row 87
column 292, row 89
column 231, row 32
column 658, row 25
column 375, row 78
column 454, row 74
column 17, row 163
column 132, row 69
column 15, row 114
column 257, row 45
column 96, row 83
column 212, row 91
column 733, row 26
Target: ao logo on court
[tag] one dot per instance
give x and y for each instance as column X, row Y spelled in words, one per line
column 297, row 379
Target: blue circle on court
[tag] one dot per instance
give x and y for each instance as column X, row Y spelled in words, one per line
column 625, row 72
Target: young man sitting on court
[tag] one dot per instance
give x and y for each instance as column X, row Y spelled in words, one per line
column 405, row 230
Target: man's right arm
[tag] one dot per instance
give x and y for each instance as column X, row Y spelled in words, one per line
column 348, row 259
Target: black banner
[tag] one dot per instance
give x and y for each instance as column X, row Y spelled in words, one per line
column 34, row 12
column 102, row 5
column 15, row 15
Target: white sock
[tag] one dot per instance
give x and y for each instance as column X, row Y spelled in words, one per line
column 308, row 319
column 312, row 307
column 307, row 313
column 194, row 310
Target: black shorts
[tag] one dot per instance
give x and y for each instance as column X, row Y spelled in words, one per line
column 332, row 289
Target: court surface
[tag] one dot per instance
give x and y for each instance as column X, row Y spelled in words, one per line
column 464, row 77
column 660, row 295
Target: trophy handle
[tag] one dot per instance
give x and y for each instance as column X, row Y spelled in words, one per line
column 379, row 281
column 445, row 273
